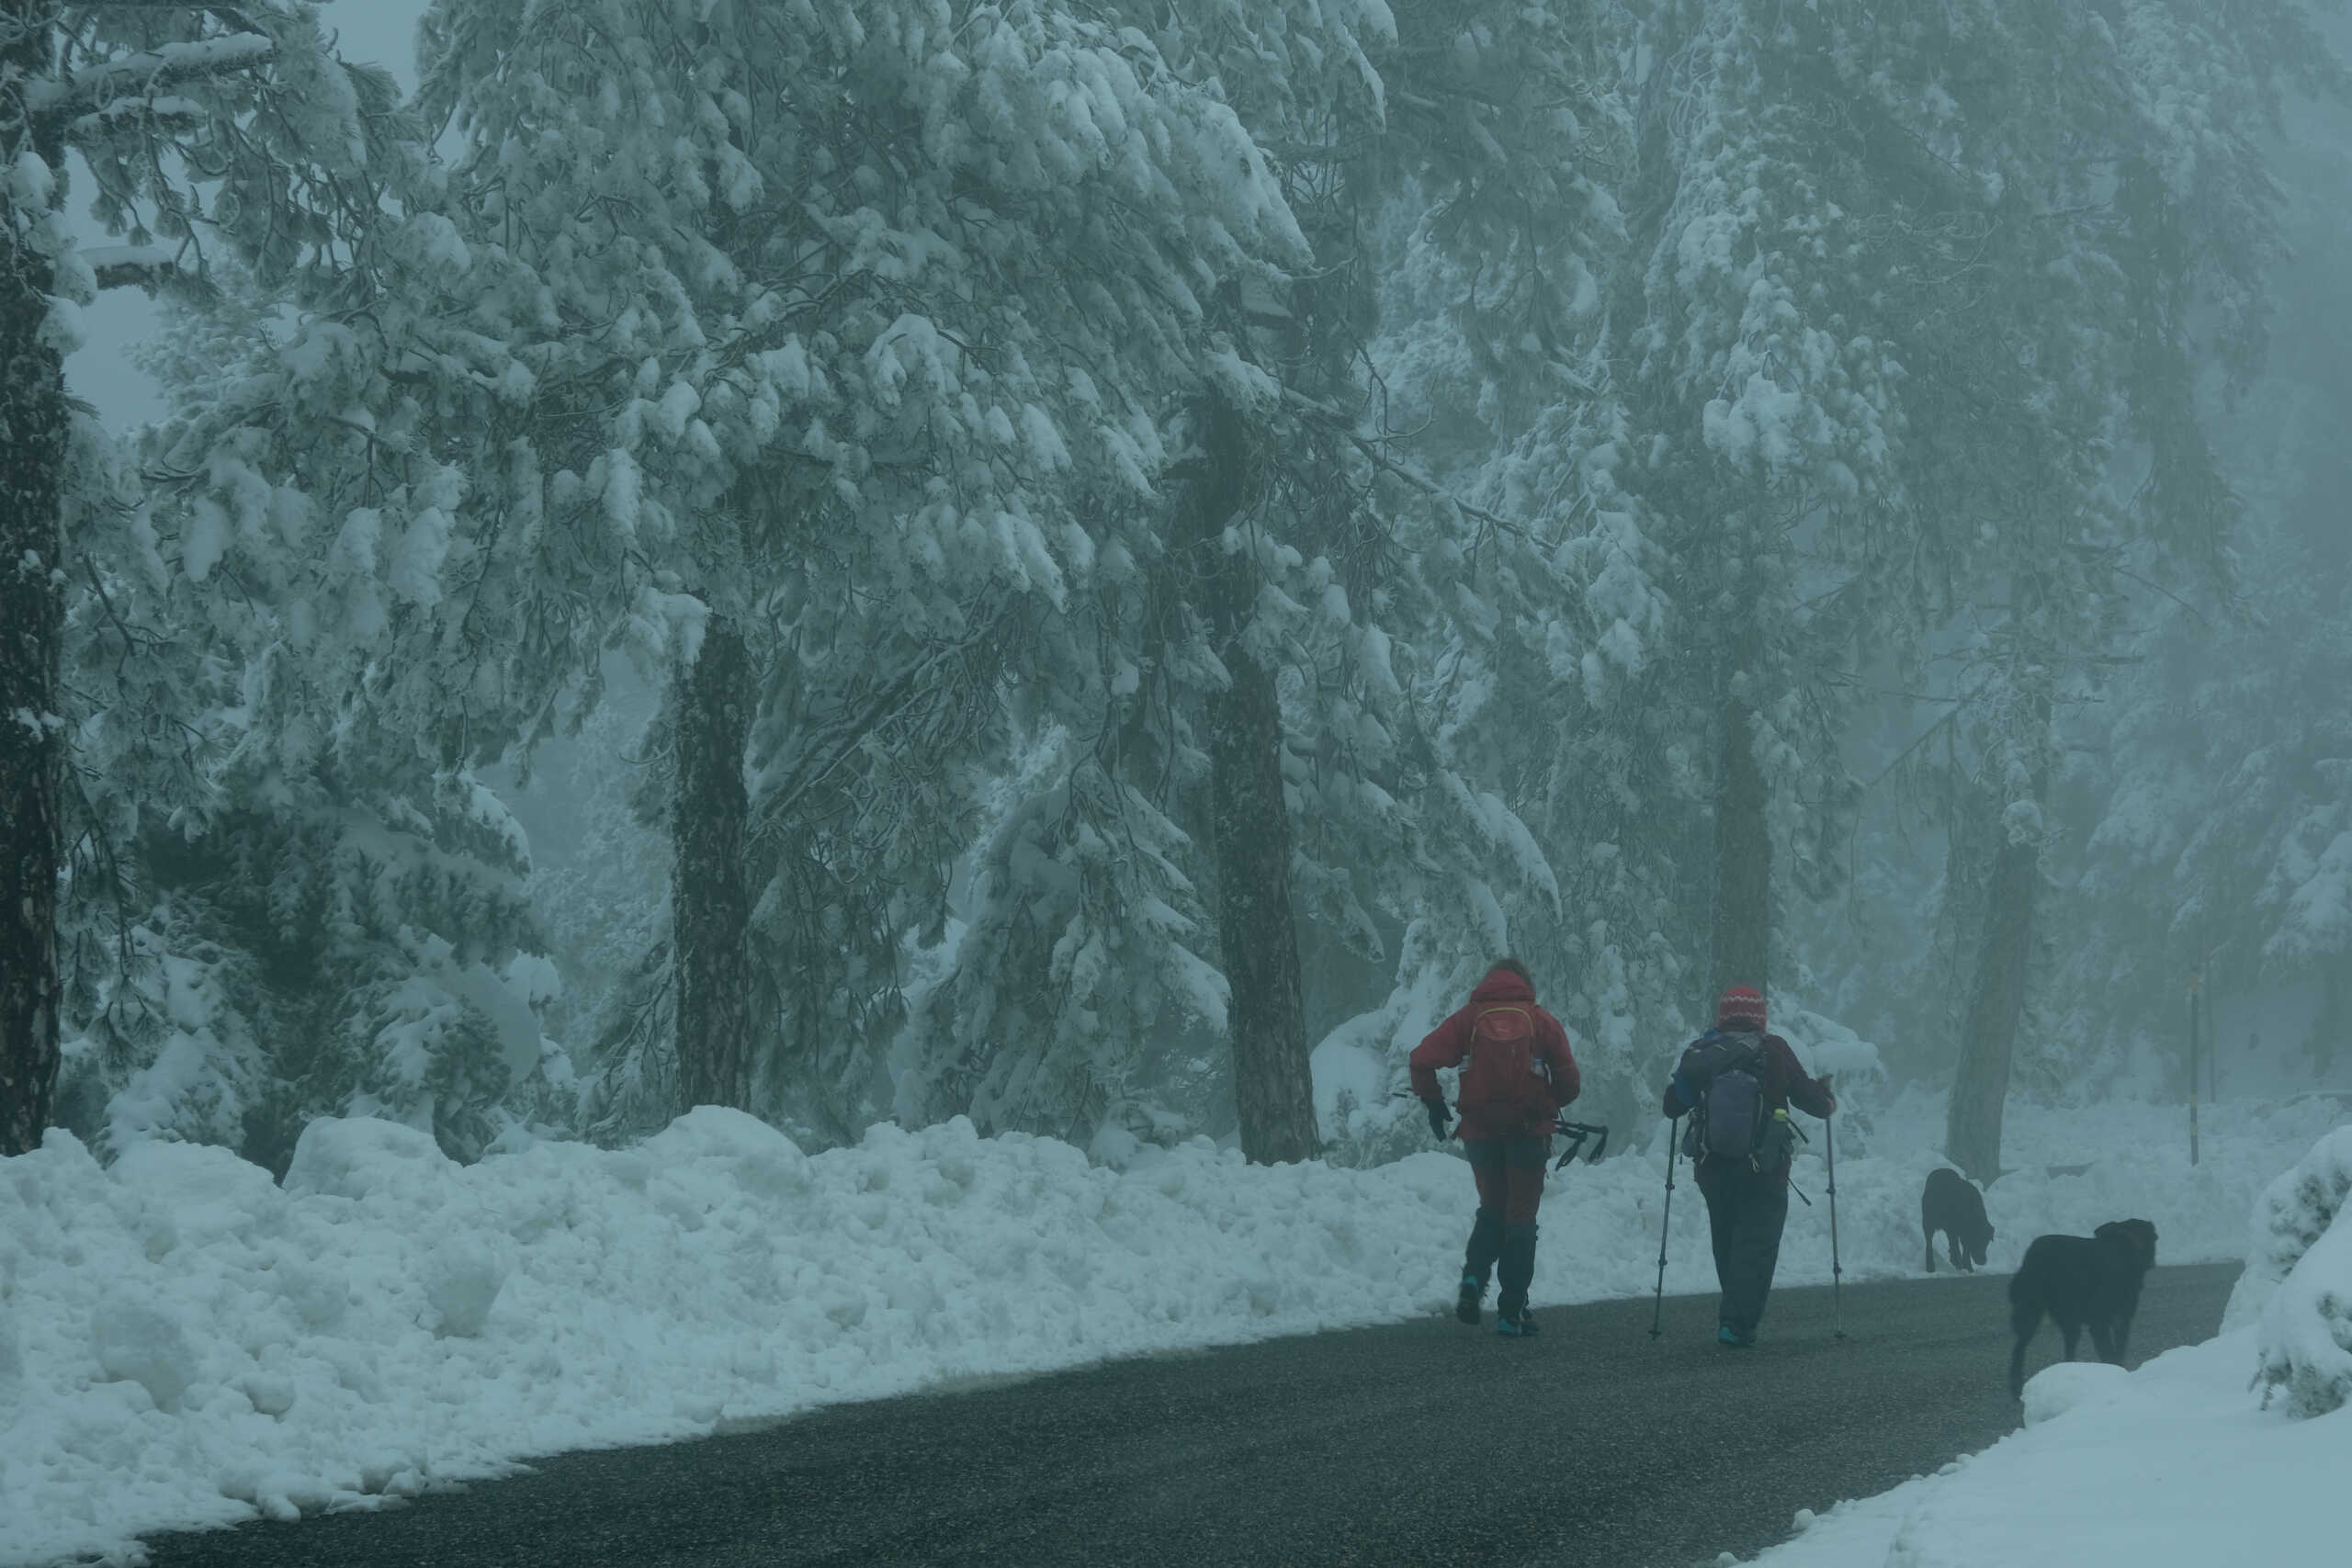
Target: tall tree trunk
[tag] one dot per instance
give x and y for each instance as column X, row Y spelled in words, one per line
column 1980, row 1090
column 2335, row 1002
column 1249, row 838
column 32, row 476
column 710, row 899
column 1743, row 924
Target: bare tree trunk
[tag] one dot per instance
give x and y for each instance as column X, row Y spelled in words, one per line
column 2335, row 1000
column 32, row 474
column 1743, row 923
column 1250, row 839
column 710, row 900
column 1980, row 1090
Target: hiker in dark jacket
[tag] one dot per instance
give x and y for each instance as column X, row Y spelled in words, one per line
column 1519, row 1075
column 1747, row 1197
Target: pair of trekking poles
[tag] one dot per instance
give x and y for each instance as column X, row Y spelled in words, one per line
column 1577, row 1132
column 1666, row 1221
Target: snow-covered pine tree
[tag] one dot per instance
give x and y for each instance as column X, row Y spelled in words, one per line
column 206, row 132
column 2168, row 117
column 943, row 270
column 1474, row 115
column 279, row 911
column 1492, row 229
column 2207, row 821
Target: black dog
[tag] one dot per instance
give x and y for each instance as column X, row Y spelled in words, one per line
column 1950, row 1203
column 2089, row 1281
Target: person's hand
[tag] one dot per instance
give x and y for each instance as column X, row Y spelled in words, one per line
column 1824, row 1082
column 1438, row 1117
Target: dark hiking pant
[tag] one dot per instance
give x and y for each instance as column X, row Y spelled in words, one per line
column 1745, row 1212
column 1510, row 1173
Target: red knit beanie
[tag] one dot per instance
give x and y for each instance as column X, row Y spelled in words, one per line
column 1743, row 1005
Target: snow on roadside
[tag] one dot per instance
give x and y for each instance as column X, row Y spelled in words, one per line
column 2178, row 1464
column 183, row 1342
column 187, row 1343
column 2174, row 1465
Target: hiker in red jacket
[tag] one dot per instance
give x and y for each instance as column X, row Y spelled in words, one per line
column 1748, row 1192
column 1517, row 1076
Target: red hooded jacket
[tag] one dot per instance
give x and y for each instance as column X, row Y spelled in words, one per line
column 1509, row 1115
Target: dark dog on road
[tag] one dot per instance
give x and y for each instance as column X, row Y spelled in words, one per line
column 1950, row 1203
column 2082, row 1282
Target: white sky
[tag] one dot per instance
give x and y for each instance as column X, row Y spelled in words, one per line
column 382, row 33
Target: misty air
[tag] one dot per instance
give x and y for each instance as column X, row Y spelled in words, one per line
column 1237, row 784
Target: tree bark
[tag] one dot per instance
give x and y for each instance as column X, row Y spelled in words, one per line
column 1249, row 838
column 33, row 425
column 1743, row 922
column 710, row 899
column 1980, row 1090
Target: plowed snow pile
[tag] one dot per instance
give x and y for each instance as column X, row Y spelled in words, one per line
column 184, row 1342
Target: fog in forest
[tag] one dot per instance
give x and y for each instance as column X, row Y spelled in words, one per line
column 1088, row 567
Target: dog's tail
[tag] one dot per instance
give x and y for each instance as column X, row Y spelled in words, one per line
column 2025, row 1320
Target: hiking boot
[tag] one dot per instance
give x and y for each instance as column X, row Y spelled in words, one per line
column 1466, row 1305
column 1519, row 1325
column 1731, row 1338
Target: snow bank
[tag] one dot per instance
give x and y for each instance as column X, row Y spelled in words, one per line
column 182, row 1342
column 2173, row 1464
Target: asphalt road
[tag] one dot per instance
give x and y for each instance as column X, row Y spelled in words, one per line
column 1422, row 1443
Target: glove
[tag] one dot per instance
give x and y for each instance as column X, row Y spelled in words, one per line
column 1438, row 1117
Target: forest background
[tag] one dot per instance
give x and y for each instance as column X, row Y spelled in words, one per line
column 1042, row 562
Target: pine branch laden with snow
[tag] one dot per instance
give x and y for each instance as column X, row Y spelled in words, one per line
column 2298, row 1282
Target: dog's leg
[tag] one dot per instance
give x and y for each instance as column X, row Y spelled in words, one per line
column 2122, row 1336
column 1931, row 1252
column 2024, row 1322
column 2073, row 1330
column 1959, row 1256
column 2103, row 1341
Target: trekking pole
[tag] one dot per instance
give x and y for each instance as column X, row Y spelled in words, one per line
column 1836, row 1270
column 1673, row 1142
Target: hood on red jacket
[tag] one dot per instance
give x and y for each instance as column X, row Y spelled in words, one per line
column 1501, row 986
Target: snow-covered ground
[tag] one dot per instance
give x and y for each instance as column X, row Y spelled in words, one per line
column 184, row 1342
column 2179, row 1464
column 2173, row 1466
